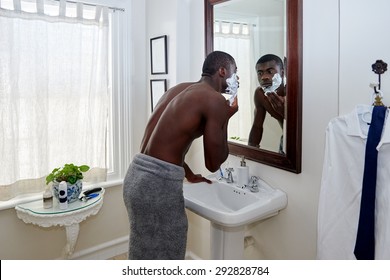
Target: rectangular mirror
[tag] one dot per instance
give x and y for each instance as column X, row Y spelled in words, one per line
column 249, row 29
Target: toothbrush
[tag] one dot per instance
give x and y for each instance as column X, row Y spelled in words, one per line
column 220, row 173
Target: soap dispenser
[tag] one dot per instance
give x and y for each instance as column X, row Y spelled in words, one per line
column 243, row 173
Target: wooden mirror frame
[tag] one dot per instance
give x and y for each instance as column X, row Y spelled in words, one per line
column 291, row 161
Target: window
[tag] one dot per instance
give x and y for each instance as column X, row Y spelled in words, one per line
column 62, row 90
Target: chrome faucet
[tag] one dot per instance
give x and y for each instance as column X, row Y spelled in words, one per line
column 253, row 187
column 229, row 178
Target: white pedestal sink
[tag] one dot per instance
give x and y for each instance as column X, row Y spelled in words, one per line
column 229, row 209
column 227, row 243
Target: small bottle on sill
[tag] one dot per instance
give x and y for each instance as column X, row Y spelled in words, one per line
column 47, row 199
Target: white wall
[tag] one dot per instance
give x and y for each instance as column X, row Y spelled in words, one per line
column 363, row 40
column 178, row 23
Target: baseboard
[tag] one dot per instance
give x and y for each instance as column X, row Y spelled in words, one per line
column 104, row 251
column 114, row 248
column 192, row 256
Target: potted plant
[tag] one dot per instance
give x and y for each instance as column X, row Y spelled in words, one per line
column 72, row 175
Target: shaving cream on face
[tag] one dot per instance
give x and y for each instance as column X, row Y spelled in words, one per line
column 276, row 82
column 232, row 88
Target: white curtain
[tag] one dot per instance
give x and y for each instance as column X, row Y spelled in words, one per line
column 54, row 92
column 237, row 40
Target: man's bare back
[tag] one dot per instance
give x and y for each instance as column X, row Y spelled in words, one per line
column 159, row 109
column 187, row 112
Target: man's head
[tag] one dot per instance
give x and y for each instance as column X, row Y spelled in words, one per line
column 217, row 60
column 266, row 67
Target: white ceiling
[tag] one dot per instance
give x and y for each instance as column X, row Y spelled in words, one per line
column 250, row 8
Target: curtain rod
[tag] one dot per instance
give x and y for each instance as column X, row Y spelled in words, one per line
column 233, row 22
column 89, row 4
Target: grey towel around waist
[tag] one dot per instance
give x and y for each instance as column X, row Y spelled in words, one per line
column 153, row 195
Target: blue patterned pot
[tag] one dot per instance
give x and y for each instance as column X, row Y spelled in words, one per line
column 73, row 190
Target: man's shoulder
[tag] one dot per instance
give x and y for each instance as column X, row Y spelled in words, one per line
column 202, row 89
column 259, row 89
column 185, row 84
column 181, row 86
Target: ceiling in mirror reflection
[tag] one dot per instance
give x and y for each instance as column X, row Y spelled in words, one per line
column 248, row 29
column 251, row 7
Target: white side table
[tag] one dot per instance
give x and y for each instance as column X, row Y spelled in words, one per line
column 70, row 218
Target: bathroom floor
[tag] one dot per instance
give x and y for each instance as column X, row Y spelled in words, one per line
column 120, row 257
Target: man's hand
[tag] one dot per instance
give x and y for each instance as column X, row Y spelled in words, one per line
column 197, row 178
column 277, row 103
column 193, row 178
column 234, row 107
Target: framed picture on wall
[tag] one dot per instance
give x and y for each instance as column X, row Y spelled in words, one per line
column 157, row 89
column 158, row 55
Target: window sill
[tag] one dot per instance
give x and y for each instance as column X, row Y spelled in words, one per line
column 37, row 196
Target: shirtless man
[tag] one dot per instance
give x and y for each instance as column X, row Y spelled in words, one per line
column 153, row 186
column 158, row 110
column 273, row 102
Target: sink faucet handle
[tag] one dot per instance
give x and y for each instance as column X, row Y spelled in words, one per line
column 253, row 184
column 254, row 180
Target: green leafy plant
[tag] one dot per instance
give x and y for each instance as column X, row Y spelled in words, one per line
column 68, row 173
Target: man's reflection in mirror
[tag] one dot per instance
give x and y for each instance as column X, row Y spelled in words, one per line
column 269, row 97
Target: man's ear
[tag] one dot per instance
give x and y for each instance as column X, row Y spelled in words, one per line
column 222, row 71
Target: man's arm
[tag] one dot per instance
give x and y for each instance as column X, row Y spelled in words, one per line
column 215, row 133
column 256, row 133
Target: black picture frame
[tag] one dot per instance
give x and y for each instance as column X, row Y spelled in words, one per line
column 159, row 55
column 157, row 88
